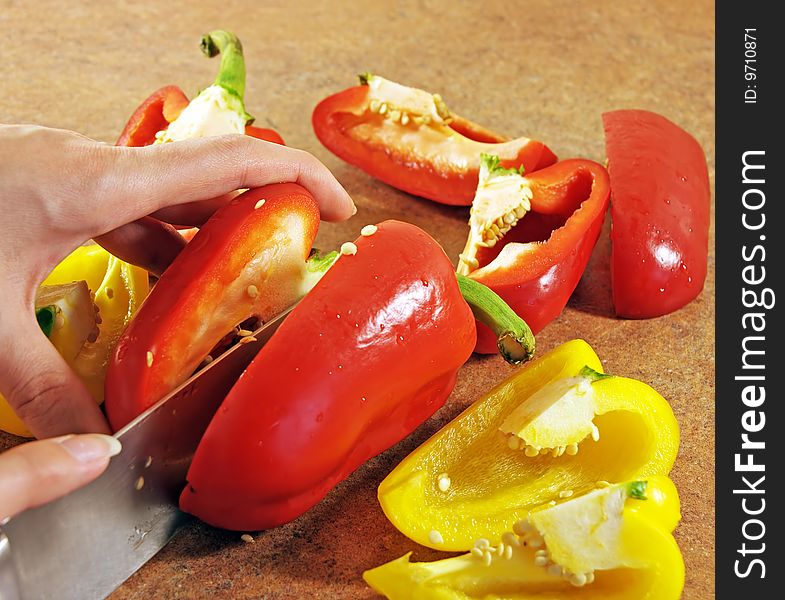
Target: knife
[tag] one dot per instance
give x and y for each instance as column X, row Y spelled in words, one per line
column 84, row 545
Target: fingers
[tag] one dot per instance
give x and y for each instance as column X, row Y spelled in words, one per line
column 194, row 214
column 146, row 243
column 37, row 472
column 38, row 384
column 140, row 181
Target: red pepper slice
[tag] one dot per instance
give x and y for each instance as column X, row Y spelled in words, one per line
column 369, row 354
column 436, row 161
column 247, row 261
column 660, row 213
column 536, row 266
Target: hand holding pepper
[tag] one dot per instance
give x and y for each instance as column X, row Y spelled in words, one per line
column 59, row 189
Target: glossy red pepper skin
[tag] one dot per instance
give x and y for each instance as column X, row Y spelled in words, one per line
column 204, row 293
column 660, row 213
column 568, row 208
column 161, row 108
column 410, row 159
column 369, row 354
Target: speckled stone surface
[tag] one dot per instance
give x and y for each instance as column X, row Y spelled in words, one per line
column 542, row 68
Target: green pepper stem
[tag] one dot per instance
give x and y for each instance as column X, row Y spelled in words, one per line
column 315, row 268
column 318, row 262
column 46, row 318
column 591, row 374
column 231, row 73
column 515, row 338
column 637, row 490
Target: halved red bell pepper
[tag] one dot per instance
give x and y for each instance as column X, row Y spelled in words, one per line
column 535, row 248
column 164, row 106
column 660, row 213
column 369, row 354
column 249, row 260
column 412, row 142
column 153, row 115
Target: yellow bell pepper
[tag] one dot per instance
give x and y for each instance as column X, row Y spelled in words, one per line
column 9, row 422
column 612, row 543
column 118, row 294
column 551, row 430
column 68, row 316
column 119, row 289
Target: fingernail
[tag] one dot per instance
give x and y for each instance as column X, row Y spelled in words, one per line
column 354, row 209
column 91, row 446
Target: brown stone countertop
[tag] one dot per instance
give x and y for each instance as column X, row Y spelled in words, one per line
column 543, row 68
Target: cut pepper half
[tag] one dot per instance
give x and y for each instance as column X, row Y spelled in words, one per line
column 118, row 289
column 378, row 342
column 613, row 542
column 468, row 481
column 250, row 260
column 409, row 139
column 531, row 236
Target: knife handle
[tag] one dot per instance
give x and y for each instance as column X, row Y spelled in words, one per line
column 9, row 586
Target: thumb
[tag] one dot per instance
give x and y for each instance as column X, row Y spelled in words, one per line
column 39, row 385
column 37, row 472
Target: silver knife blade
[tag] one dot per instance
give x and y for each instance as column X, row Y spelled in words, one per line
column 84, row 545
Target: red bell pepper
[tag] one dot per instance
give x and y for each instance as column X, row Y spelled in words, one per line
column 249, row 260
column 164, row 106
column 369, row 354
column 408, row 139
column 532, row 236
column 660, row 213
column 153, row 115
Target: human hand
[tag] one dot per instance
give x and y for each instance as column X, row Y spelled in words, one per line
column 59, row 189
column 38, row 472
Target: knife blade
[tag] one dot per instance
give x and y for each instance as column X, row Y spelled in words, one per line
column 84, row 545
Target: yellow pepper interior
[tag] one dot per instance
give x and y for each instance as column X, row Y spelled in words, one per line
column 492, row 485
column 637, row 556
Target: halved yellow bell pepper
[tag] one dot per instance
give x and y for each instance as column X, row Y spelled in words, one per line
column 472, row 479
column 9, row 422
column 613, row 543
column 119, row 289
column 118, row 293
